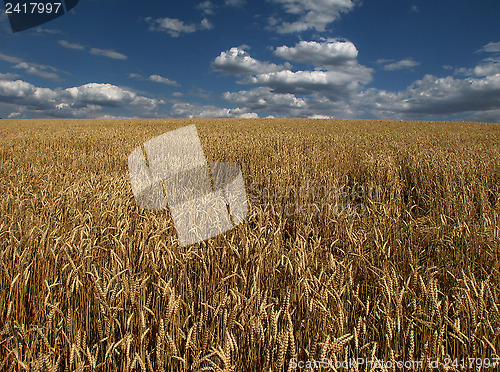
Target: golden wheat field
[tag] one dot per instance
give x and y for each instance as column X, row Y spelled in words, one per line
column 389, row 255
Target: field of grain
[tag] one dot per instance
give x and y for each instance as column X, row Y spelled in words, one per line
column 407, row 270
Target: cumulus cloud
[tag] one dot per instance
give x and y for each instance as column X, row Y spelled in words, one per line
column 101, row 94
column 237, row 61
column 336, row 82
column 487, row 67
column 406, row 63
column 491, row 47
column 263, row 99
column 108, row 53
column 437, row 96
column 475, row 97
column 339, row 91
column 156, row 79
column 312, row 14
column 188, row 110
column 25, row 94
column 328, row 53
column 174, row 27
column 82, row 101
column 340, row 73
column 337, row 76
column 69, row 45
column 271, row 104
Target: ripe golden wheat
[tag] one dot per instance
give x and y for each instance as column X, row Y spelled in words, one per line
column 91, row 282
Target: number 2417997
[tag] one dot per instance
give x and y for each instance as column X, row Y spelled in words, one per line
column 33, row 8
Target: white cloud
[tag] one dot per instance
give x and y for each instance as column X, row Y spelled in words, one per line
column 206, row 7
column 8, row 76
column 491, row 47
column 25, row 94
column 312, row 14
column 340, row 78
column 101, row 94
column 188, row 110
column 271, row 104
column 40, row 72
column 317, row 116
column 156, row 79
column 11, row 59
column 163, row 80
column 340, row 81
column 238, row 61
column 250, row 115
column 108, row 53
column 340, row 93
column 382, row 61
column 14, row 89
column 47, row 31
column 206, row 25
column 406, row 63
column 263, row 99
column 487, row 67
column 82, row 101
column 174, row 27
column 44, row 71
column 328, row 53
column 415, row 9
column 436, row 96
column 69, row 45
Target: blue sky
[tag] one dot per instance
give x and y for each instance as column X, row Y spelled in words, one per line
column 371, row 59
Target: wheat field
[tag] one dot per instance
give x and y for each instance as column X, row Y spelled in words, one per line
column 404, row 268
